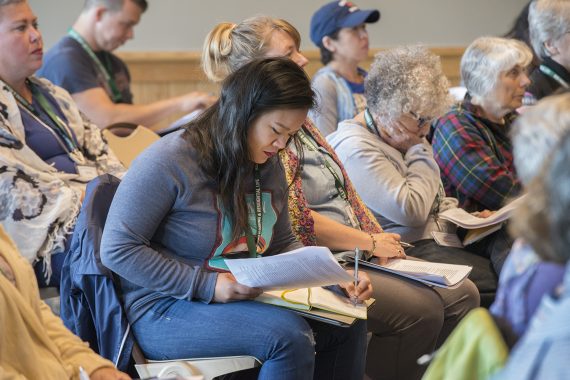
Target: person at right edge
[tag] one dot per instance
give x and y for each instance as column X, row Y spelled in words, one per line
column 549, row 29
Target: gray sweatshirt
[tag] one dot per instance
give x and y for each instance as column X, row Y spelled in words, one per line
column 403, row 191
column 166, row 226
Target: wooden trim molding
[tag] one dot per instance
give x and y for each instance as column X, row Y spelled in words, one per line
column 159, row 75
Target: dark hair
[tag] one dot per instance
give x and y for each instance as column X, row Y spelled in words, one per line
column 326, row 54
column 219, row 135
column 520, row 31
column 115, row 5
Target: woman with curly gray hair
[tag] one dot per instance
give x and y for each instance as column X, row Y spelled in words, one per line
column 408, row 320
column 471, row 142
column 549, row 30
column 391, row 164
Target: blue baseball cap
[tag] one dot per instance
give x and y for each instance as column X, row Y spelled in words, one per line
column 339, row 14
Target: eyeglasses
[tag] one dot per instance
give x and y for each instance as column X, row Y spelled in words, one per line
column 422, row 120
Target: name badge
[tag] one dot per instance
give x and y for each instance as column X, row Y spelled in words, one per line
column 446, row 239
column 351, row 216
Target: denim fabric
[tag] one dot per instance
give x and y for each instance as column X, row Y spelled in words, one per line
column 285, row 342
column 56, row 264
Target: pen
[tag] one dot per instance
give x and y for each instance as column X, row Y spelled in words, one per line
column 406, row 245
column 356, row 258
column 82, row 374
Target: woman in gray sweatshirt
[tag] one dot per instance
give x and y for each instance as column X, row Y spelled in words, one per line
column 213, row 191
column 389, row 160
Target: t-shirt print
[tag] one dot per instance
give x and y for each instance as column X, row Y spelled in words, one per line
column 237, row 248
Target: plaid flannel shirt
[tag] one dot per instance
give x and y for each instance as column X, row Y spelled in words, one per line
column 475, row 158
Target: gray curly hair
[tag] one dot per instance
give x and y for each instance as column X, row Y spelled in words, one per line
column 485, row 59
column 536, row 132
column 406, row 79
column 548, row 20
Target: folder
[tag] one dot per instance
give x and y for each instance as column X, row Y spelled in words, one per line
column 318, row 303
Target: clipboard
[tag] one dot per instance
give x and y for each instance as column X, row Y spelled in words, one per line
column 463, row 270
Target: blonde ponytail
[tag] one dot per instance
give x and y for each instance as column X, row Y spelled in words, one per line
column 230, row 46
column 217, row 48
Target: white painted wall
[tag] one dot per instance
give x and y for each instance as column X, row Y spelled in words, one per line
column 177, row 25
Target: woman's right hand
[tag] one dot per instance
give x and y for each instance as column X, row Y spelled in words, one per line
column 388, row 247
column 402, row 139
column 228, row 289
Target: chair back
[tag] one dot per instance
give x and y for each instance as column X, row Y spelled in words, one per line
column 127, row 148
column 91, row 305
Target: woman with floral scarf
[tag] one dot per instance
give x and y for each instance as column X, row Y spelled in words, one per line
column 48, row 150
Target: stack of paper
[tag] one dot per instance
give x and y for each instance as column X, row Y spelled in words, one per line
column 294, row 279
column 436, row 274
column 302, row 268
column 316, row 297
column 469, row 221
column 480, row 227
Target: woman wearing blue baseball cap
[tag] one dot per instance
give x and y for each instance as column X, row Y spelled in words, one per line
column 338, row 28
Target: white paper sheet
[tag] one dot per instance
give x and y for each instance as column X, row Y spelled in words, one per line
column 302, row 268
column 466, row 220
column 446, row 274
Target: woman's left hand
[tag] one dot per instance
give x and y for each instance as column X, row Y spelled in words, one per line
column 108, row 373
column 364, row 289
column 388, row 247
column 483, row 214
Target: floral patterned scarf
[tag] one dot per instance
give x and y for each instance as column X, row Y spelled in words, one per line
column 302, row 223
column 38, row 203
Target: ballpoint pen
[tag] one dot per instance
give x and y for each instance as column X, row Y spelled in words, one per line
column 356, row 258
column 406, row 245
column 83, row 374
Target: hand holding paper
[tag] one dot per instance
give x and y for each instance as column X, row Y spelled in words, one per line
column 228, row 289
column 302, row 268
column 466, row 220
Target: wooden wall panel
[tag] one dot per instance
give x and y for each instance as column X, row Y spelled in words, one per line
column 159, row 75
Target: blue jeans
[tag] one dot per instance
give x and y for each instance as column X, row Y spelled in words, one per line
column 289, row 346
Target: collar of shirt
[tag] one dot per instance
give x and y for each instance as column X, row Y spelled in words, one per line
column 474, row 111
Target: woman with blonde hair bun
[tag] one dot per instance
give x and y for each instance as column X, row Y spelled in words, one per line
column 409, row 320
column 230, row 46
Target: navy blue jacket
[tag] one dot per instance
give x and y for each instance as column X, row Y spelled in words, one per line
column 90, row 305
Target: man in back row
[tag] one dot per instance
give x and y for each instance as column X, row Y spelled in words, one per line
column 82, row 62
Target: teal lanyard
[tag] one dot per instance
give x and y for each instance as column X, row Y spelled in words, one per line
column 339, row 185
column 115, row 93
column 548, row 71
column 370, row 123
column 252, row 245
column 54, row 124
